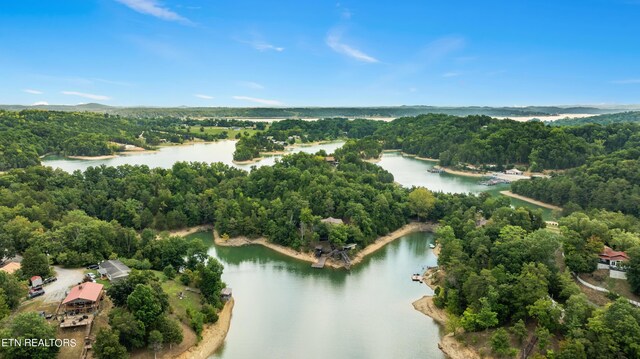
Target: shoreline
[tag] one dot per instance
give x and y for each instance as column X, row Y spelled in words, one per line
column 287, row 150
column 530, row 200
column 429, row 159
column 92, row 158
column 248, row 162
column 373, row 160
column 448, row 344
column 137, row 151
column 463, row 173
column 310, row 258
column 212, row 336
column 190, row 230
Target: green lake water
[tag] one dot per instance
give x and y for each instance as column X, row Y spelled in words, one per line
column 286, row 309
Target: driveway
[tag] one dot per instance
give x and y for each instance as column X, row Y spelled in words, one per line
column 67, row 278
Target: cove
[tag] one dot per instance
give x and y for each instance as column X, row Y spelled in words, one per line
column 286, row 309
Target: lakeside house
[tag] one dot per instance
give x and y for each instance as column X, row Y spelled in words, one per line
column 114, row 270
column 225, row 294
column 613, row 258
column 83, row 298
column 514, row 171
column 331, row 220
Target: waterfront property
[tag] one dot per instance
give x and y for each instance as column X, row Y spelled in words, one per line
column 514, row 171
column 114, row 270
column 225, row 294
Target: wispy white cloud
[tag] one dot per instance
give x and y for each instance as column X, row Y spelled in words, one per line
column 155, row 9
column 40, row 103
column 451, row 74
column 261, row 45
column 258, row 100
column 33, row 92
column 250, row 84
column 86, row 95
column 204, row 97
column 626, row 82
column 334, row 41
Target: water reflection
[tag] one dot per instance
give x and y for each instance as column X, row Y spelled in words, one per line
column 286, row 309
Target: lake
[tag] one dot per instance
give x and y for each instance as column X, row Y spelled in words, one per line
column 286, row 309
column 166, row 156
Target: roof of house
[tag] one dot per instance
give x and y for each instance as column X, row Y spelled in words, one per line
column 610, row 254
column 225, row 291
column 513, row 170
column 87, row 291
column 115, row 269
column 332, row 220
column 11, row 267
column 35, row 278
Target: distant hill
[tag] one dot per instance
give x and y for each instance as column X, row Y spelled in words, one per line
column 318, row 112
column 620, row 117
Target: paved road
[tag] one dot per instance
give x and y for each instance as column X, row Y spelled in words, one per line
column 67, row 278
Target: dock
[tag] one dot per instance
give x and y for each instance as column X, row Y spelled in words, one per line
column 320, row 263
column 342, row 253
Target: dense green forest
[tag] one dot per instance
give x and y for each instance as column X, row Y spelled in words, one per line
column 608, row 181
column 509, row 273
column 315, row 112
column 605, row 119
column 286, row 132
column 477, row 140
column 481, row 140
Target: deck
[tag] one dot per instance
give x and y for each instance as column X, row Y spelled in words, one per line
column 76, row 321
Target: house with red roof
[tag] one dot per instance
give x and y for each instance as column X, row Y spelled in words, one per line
column 83, row 298
column 613, row 258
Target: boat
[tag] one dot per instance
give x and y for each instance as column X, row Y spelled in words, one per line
column 432, row 246
column 416, row 278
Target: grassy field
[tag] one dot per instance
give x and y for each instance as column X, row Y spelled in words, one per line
column 190, row 300
column 230, row 131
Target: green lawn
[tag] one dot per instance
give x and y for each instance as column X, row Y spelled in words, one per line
column 216, row 130
column 105, row 282
column 190, row 300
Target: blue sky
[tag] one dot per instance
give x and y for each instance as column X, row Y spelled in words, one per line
column 319, row 53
